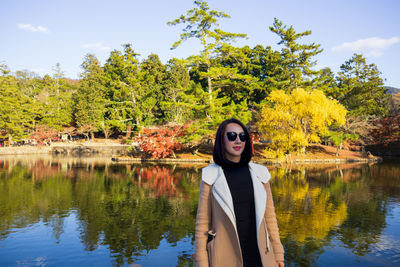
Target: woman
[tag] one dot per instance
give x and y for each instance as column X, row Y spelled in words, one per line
column 236, row 223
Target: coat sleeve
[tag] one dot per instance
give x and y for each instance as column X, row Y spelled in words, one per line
column 203, row 224
column 272, row 226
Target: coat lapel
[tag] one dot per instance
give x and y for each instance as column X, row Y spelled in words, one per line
column 260, row 198
column 223, row 195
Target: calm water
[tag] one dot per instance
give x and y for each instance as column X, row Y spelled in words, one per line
column 91, row 212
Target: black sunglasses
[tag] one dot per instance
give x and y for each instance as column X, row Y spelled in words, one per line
column 232, row 136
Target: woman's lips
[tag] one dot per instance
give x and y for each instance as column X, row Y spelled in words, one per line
column 237, row 148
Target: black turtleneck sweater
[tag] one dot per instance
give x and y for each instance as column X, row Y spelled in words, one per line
column 241, row 187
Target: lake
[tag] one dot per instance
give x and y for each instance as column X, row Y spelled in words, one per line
column 90, row 211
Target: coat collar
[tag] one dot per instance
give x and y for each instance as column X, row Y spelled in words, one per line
column 214, row 175
column 212, row 172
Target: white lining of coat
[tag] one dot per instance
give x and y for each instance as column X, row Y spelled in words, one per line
column 223, row 196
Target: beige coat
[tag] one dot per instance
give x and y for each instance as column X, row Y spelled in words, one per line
column 216, row 217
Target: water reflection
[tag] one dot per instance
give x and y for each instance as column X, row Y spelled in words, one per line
column 126, row 207
column 321, row 204
column 134, row 210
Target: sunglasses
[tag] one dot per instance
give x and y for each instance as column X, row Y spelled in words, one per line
column 232, row 136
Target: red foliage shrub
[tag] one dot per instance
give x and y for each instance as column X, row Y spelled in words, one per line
column 44, row 134
column 161, row 142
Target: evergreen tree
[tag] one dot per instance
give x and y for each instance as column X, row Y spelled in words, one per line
column 202, row 23
column 28, row 82
column 361, row 89
column 205, row 120
column 328, row 84
column 152, row 78
column 235, row 80
column 265, row 66
column 57, row 103
column 123, row 90
column 90, row 102
column 176, row 92
column 223, row 82
column 294, row 69
column 16, row 118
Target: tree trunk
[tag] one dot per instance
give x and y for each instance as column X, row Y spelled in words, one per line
column 9, row 139
column 210, row 92
column 105, row 131
column 128, row 131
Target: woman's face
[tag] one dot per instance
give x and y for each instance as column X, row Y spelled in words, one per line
column 233, row 149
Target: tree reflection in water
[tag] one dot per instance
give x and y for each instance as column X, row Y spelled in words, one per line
column 316, row 204
column 130, row 209
column 305, row 215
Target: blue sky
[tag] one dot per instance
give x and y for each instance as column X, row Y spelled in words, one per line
column 35, row 35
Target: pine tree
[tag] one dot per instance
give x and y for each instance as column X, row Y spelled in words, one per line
column 294, row 69
column 90, row 102
column 58, row 103
column 176, row 92
column 123, row 90
column 152, row 77
column 16, row 117
column 202, row 23
column 361, row 89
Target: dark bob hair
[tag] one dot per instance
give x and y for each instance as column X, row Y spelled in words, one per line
column 219, row 148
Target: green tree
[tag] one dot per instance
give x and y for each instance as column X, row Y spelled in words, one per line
column 28, row 82
column 90, row 102
column 361, row 89
column 264, row 66
column 152, row 79
column 123, row 89
column 175, row 93
column 202, row 23
column 58, row 104
column 16, row 118
column 220, row 99
column 327, row 83
column 205, row 120
column 294, row 67
column 338, row 138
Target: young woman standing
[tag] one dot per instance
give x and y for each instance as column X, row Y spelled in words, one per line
column 236, row 223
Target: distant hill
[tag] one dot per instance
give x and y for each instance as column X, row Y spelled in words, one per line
column 393, row 90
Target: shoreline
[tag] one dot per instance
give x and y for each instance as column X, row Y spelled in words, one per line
column 117, row 153
column 88, row 148
column 261, row 161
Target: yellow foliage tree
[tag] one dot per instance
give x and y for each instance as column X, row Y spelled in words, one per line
column 292, row 121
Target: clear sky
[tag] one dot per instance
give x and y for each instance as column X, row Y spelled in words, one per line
column 35, row 35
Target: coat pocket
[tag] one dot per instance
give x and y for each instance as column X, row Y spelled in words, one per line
column 211, row 246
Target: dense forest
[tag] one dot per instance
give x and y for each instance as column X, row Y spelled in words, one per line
column 279, row 93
